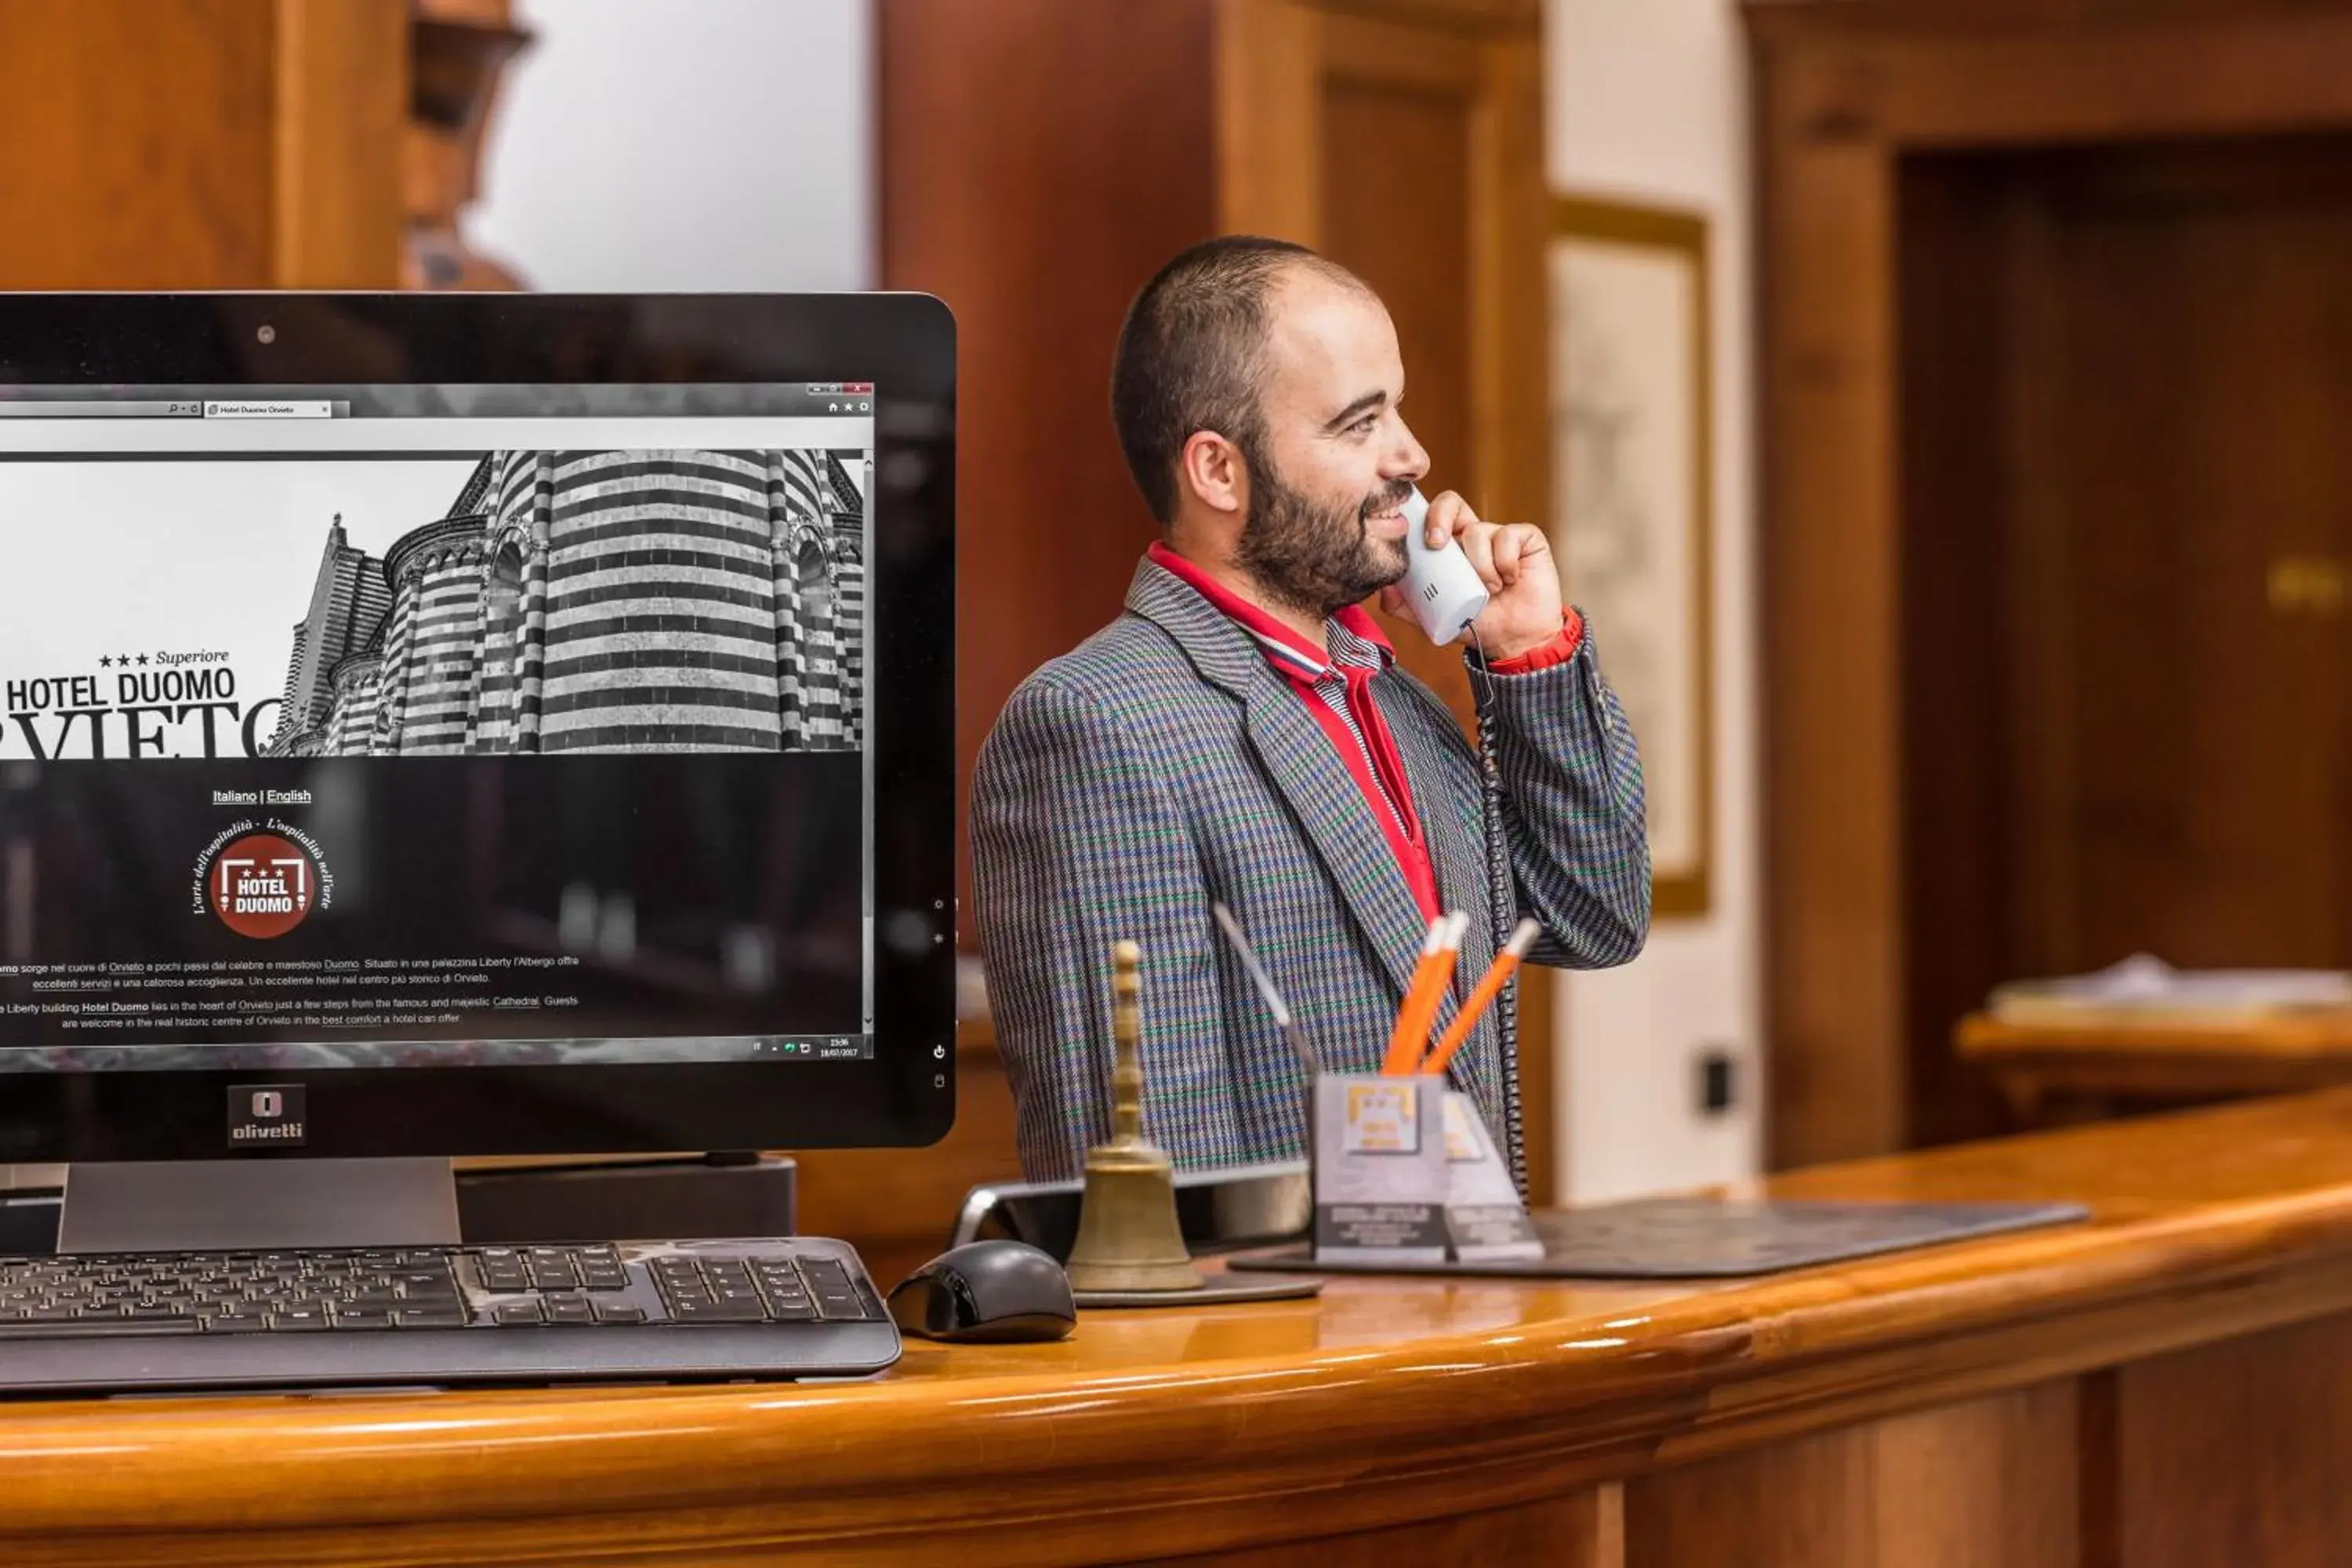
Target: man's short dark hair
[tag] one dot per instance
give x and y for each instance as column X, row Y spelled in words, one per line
column 1191, row 354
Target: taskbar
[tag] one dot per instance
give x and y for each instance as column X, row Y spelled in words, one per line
column 329, row 1055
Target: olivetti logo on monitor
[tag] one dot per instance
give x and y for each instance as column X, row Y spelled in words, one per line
column 267, row 1115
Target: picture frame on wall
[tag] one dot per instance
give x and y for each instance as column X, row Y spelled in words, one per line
column 1632, row 483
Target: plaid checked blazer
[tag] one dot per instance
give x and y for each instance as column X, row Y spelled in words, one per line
column 1163, row 765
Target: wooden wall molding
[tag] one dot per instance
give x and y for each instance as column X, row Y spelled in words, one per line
column 1488, row 17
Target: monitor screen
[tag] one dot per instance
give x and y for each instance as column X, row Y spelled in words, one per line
column 375, row 731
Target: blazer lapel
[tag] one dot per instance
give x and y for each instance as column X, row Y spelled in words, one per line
column 1298, row 756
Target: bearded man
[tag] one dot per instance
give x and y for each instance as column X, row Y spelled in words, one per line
column 1242, row 735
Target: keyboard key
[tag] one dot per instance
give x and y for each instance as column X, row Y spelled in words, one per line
column 96, row 1329
column 689, row 1310
column 514, row 1313
column 421, row 1300
column 619, row 1312
column 841, row 1305
column 570, row 1309
column 293, row 1319
column 430, row 1318
column 362, row 1318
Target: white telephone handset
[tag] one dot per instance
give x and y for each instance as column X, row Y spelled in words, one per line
column 1441, row 585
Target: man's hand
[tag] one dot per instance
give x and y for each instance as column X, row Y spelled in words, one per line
column 1514, row 560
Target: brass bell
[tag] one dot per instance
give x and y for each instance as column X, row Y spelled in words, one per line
column 1127, row 1235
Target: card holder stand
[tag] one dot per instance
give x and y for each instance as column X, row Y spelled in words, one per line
column 1405, row 1172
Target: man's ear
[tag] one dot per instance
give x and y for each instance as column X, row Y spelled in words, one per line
column 1211, row 471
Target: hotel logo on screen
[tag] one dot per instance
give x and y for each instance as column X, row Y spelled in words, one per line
column 262, row 883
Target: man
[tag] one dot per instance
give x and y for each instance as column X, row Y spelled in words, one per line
column 1242, row 735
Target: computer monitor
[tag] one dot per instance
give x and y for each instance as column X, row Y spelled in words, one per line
column 435, row 725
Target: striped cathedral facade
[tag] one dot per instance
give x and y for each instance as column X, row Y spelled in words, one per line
column 596, row 601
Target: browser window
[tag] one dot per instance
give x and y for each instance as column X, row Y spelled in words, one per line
column 387, row 725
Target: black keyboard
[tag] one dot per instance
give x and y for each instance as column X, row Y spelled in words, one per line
column 655, row 1310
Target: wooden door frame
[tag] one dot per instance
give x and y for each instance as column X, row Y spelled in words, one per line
column 1842, row 92
column 339, row 138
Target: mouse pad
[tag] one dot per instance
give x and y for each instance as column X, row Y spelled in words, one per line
column 1711, row 1238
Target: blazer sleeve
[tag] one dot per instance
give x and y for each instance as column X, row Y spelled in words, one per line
column 1077, row 844
column 1572, row 810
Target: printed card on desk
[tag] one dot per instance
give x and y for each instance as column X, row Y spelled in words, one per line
column 1484, row 1221
column 1381, row 1170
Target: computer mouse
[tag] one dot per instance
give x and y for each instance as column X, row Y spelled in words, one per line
column 987, row 1292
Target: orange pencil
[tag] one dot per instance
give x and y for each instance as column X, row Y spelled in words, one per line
column 1404, row 1049
column 1449, row 954
column 1410, row 1040
column 1490, row 986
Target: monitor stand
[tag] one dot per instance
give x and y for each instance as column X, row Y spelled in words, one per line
column 220, row 1205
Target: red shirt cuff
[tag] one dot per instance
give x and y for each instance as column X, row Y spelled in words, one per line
column 1559, row 650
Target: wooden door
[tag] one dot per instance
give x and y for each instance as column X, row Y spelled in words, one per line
column 1931, row 824
column 2126, row 522
column 2203, row 381
column 1039, row 160
column 1403, row 139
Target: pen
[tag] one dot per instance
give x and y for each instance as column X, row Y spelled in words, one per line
column 1265, row 988
column 1490, row 986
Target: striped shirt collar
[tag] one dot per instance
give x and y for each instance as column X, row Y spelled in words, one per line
column 1355, row 638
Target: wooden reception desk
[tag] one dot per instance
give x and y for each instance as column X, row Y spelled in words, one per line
column 2166, row 1384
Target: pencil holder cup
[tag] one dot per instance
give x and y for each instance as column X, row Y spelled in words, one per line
column 1378, row 1144
column 1484, row 1221
column 1405, row 1172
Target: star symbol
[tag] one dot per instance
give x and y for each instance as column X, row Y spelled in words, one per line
column 104, row 662
column 142, row 660
column 122, row 659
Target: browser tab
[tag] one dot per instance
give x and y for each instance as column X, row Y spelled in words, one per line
column 269, row 408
